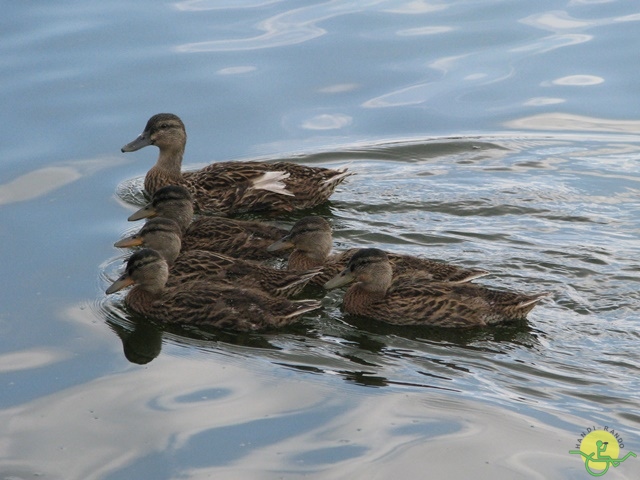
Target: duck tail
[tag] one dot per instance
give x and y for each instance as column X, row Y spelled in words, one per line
column 296, row 282
column 470, row 276
column 343, row 172
column 272, row 182
column 305, row 276
column 222, row 256
column 304, row 306
column 532, row 300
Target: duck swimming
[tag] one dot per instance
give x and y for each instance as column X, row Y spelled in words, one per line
column 202, row 303
column 311, row 240
column 404, row 301
column 163, row 236
column 237, row 238
column 232, row 187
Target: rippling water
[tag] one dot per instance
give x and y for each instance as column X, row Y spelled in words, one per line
column 485, row 134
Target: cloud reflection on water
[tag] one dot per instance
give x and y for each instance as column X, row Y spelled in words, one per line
column 177, row 405
column 569, row 122
column 31, row 358
column 558, row 20
column 42, row 181
column 206, row 5
column 288, row 28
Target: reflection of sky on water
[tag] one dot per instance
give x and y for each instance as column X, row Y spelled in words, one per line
column 32, row 358
column 289, row 28
column 110, row 426
column 204, row 5
column 559, row 20
column 541, row 205
column 474, row 69
column 327, row 121
column 43, row 181
column 567, row 122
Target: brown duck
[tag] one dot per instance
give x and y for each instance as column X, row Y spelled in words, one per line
column 404, row 301
column 232, row 187
column 202, row 303
column 163, row 235
column 237, row 238
column 311, row 240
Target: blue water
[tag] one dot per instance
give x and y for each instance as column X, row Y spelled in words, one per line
column 502, row 135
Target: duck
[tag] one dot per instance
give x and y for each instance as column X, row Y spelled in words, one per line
column 201, row 303
column 404, row 301
column 245, row 239
column 311, row 240
column 232, row 187
column 164, row 236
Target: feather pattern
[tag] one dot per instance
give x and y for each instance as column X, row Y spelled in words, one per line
column 202, row 265
column 202, row 303
column 405, row 301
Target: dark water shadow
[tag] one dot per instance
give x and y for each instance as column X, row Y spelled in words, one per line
column 517, row 332
column 357, row 349
column 142, row 339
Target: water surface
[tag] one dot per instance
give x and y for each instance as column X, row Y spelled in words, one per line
column 488, row 134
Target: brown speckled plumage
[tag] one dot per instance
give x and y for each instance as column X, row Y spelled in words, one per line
column 202, row 303
column 311, row 240
column 163, row 236
column 232, row 187
column 237, row 238
column 404, row 301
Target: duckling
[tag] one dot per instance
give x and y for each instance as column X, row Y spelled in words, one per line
column 232, row 187
column 311, row 240
column 404, row 301
column 202, row 303
column 237, row 238
column 163, row 235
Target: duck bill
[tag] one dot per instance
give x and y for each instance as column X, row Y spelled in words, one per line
column 123, row 282
column 145, row 212
column 281, row 244
column 132, row 241
column 341, row 279
column 143, row 140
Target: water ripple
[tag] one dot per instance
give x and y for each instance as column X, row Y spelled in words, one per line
column 288, row 28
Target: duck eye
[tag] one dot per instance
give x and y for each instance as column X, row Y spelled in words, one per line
column 164, row 126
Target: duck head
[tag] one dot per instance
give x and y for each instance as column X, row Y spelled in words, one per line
column 369, row 267
column 145, row 268
column 173, row 201
column 310, row 236
column 160, row 234
column 164, row 130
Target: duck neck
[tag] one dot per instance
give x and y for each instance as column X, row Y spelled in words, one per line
column 170, row 160
column 377, row 288
column 140, row 298
column 183, row 216
column 169, row 252
column 166, row 171
column 299, row 260
column 358, row 298
column 168, row 245
column 310, row 254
